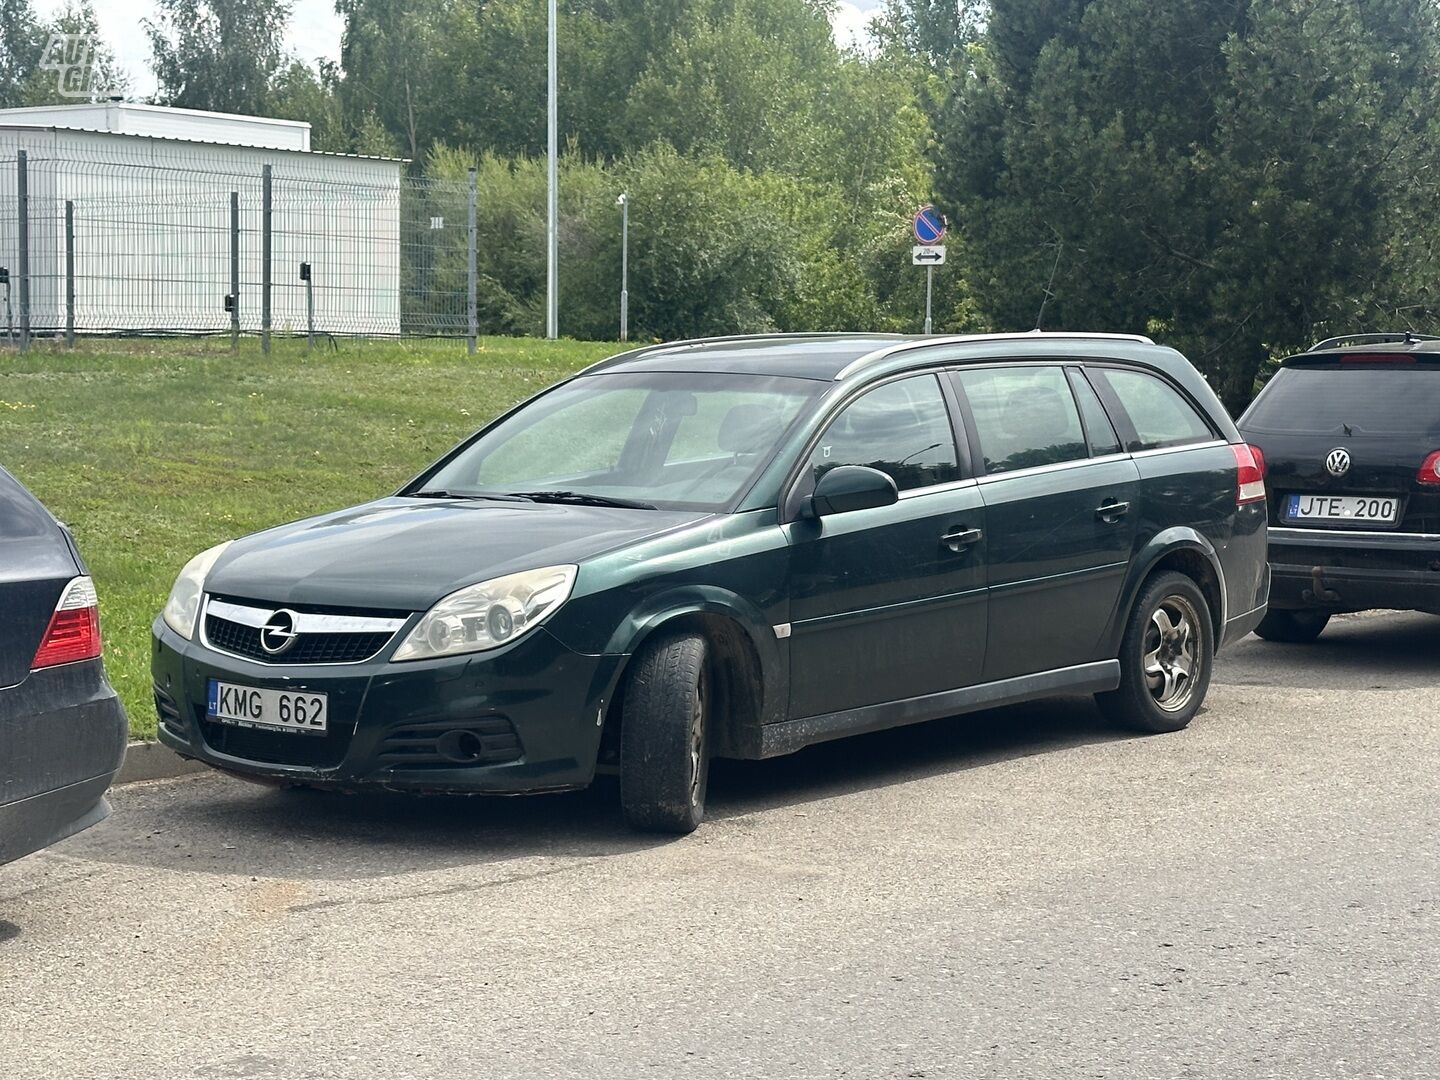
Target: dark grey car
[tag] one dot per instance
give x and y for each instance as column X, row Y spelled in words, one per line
column 62, row 729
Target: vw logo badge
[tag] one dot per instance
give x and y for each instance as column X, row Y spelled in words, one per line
column 1337, row 462
column 278, row 633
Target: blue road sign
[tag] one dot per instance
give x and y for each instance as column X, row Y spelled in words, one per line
column 929, row 225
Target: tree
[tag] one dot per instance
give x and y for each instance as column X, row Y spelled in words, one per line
column 106, row 77
column 218, row 55
column 1218, row 172
column 20, row 47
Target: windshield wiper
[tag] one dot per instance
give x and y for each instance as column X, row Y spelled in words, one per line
column 441, row 493
column 581, row 498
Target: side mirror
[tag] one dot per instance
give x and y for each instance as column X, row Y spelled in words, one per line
column 853, row 487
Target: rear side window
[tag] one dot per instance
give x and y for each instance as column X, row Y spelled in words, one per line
column 1158, row 412
column 1024, row 417
column 901, row 428
column 1362, row 400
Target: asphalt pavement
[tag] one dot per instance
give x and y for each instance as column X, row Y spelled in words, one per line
column 1021, row 893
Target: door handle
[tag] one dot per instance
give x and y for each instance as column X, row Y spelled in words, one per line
column 961, row 538
column 1112, row 512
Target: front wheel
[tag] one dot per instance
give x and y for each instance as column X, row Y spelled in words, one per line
column 664, row 736
column 1293, row 627
column 1165, row 658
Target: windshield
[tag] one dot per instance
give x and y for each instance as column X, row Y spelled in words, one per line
column 1359, row 400
column 672, row 440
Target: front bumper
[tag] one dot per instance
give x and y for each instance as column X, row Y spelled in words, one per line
column 537, row 707
column 1336, row 571
column 62, row 738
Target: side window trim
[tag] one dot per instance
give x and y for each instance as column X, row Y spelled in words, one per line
column 1119, row 420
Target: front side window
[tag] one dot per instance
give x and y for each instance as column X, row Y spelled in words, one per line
column 1024, row 417
column 675, row 440
column 901, row 428
column 1160, row 415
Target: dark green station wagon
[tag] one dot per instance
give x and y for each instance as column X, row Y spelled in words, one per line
column 735, row 548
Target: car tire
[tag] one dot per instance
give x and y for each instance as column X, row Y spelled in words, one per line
column 1293, row 627
column 664, row 736
column 1166, row 657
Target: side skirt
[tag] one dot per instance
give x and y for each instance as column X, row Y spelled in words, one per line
column 792, row 735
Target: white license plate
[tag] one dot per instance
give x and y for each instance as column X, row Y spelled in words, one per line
column 1366, row 509
column 274, row 710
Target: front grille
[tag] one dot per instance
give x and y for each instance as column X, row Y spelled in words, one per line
column 276, row 747
column 320, row 635
column 244, row 641
column 485, row 740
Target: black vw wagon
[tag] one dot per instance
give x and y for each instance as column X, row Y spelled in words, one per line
column 735, row 547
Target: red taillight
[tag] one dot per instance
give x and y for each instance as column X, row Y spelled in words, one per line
column 1429, row 472
column 1249, row 474
column 74, row 630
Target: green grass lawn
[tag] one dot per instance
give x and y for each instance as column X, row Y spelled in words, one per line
column 154, row 450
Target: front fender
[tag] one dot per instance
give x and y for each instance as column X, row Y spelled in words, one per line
column 662, row 608
column 1163, row 543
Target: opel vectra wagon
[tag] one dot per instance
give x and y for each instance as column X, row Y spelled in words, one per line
column 735, row 548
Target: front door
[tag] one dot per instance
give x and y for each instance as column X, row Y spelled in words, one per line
column 889, row 603
column 1060, row 508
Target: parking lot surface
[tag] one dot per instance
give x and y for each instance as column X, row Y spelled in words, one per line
column 1020, row 893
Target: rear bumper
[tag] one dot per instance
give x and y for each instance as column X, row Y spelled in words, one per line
column 62, row 738
column 1354, row 571
column 41, row 820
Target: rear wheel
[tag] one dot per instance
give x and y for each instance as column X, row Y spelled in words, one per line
column 1293, row 627
column 1165, row 657
column 664, row 736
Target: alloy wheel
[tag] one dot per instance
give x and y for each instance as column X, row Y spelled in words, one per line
column 1171, row 658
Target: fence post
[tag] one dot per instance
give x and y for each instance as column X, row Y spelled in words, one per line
column 266, row 209
column 234, row 271
column 22, row 187
column 69, row 273
column 472, row 320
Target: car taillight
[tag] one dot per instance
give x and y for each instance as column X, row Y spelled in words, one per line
column 74, row 630
column 1429, row 472
column 1360, row 359
column 1249, row 474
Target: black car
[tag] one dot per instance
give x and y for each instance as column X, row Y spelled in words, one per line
column 1350, row 432
column 62, row 730
column 737, row 548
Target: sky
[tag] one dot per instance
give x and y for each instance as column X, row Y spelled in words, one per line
column 315, row 31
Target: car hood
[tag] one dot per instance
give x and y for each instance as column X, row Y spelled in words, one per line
column 405, row 554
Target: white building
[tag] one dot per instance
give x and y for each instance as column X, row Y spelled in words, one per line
column 150, row 190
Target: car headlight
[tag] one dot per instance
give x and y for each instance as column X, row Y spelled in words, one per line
column 488, row 615
column 183, row 606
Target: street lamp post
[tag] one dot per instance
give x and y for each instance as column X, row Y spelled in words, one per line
column 624, row 203
column 552, row 235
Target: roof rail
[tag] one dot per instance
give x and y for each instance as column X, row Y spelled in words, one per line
column 964, row 339
column 1406, row 337
column 661, row 346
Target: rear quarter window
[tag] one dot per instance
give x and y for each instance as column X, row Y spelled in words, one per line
column 1160, row 414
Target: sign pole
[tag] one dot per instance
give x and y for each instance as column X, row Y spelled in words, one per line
column 552, row 225
column 929, row 288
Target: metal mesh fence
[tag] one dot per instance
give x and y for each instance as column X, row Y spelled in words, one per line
column 107, row 235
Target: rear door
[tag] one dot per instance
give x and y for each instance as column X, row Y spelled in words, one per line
column 1060, row 513
column 35, row 565
column 1344, row 442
